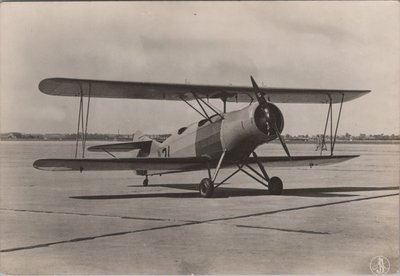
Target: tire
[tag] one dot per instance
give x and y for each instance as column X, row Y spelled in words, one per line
column 206, row 187
column 275, row 186
column 145, row 182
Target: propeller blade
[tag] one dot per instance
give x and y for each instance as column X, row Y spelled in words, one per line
column 282, row 141
column 263, row 103
column 260, row 98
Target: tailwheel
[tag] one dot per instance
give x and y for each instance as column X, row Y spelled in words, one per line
column 145, row 182
column 206, row 187
column 275, row 186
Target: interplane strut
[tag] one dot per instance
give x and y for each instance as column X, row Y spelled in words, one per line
column 82, row 124
column 329, row 117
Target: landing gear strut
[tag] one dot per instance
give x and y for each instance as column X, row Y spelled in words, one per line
column 275, row 184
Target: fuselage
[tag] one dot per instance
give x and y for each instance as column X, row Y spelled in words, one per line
column 238, row 133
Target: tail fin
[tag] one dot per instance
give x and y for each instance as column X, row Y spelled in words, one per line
column 139, row 136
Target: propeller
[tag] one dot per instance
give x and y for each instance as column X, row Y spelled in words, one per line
column 263, row 103
column 260, row 98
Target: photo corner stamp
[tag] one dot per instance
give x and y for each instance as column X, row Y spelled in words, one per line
column 379, row 265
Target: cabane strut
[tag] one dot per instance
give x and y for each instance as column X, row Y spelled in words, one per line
column 203, row 112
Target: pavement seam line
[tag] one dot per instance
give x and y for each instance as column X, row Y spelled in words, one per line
column 190, row 223
column 87, row 214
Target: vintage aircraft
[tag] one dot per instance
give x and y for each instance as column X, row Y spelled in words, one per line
column 221, row 140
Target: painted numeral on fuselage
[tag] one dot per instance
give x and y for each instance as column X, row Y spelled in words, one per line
column 165, row 152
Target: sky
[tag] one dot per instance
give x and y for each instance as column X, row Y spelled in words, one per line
column 338, row 45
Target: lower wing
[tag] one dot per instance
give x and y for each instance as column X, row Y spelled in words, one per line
column 300, row 161
column 178, row 164
column 121, row 164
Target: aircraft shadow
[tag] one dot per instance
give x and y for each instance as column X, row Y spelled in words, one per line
column 334, row 191
column 225, row 192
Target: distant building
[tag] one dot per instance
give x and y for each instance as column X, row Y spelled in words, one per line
column 11, row 136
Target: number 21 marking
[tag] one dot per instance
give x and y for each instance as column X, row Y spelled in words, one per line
column 165, row 151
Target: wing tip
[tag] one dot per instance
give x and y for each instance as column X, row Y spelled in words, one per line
column 40, row 164
column 48, row 85
column 51, row 165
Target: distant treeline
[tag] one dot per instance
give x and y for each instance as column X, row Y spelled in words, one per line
column 73, row 136
column 161, row 137
column 346, row 137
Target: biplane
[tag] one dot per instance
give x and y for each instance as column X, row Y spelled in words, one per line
column 219, row 140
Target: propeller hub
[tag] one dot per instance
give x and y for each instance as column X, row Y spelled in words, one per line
column 269, row 118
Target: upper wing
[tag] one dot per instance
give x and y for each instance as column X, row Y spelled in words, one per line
column 177, row 164
column 169, row 91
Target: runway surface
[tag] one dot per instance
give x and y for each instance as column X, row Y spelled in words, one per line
column 329, row 219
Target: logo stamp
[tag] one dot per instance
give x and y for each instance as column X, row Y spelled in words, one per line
column 379, row 265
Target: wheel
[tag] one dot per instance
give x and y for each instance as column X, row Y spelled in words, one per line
column 275, row 186
column 145, row 182
column 206, row 187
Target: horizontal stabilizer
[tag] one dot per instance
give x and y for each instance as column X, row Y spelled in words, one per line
column 175, row 164
column 121, row 147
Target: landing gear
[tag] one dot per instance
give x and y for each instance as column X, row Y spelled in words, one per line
column 275, row 186
column 145, row 182
column 206, row 187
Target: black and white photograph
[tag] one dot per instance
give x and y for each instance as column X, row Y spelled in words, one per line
column 199, row 138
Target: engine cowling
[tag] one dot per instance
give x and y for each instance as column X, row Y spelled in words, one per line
column 246, row 129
